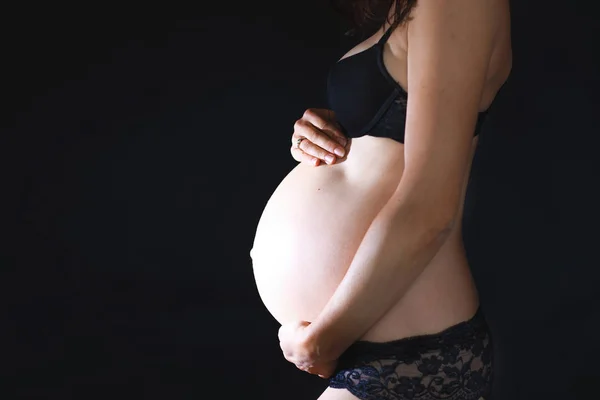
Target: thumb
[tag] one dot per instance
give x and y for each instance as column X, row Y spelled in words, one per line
column 323, row 370
column 291, row 327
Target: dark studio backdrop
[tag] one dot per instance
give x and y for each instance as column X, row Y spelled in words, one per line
column 140, row 145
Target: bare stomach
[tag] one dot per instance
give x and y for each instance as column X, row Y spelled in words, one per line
column 313, row 225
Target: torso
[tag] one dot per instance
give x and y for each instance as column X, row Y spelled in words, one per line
column 317, row 217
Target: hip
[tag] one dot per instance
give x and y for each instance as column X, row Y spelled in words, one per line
column 456, row 363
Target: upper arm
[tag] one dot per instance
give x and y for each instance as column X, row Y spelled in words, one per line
column 449, row 49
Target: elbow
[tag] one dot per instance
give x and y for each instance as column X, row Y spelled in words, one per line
column 439, row 229
column 444, row 219
column 434, row 232
column 428, row 224
column 446, row 228
column 446, row 222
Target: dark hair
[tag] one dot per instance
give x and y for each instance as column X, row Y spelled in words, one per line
column 368, row 15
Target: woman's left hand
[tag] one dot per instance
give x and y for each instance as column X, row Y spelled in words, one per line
column 297, row 349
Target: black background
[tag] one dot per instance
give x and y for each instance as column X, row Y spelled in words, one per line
column 140, row 145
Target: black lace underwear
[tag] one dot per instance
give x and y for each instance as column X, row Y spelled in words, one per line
column 455, row 364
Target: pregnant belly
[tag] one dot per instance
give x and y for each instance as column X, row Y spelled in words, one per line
column 309, row 232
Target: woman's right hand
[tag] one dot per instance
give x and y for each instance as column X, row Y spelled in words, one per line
column 318, row 138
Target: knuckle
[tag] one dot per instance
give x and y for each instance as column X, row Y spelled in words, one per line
column 315, row 151
column 332, row 145
column 310, row 112
column 327, row 149
column 309, row 147
column 309, row 135
column 298, row 124
column 332, row 127
column 321, row 141
column 301, row 127
column 312, row 150
column 327, row 124
column 323, row 154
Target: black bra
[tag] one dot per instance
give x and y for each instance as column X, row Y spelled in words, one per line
column 365, row 97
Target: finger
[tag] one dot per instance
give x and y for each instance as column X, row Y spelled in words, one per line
column 324, row 370
column 320, row 131
column 324, row 120
column 288, row 357
column 319, row 372
column 335, row 128
column 315, row 150
column 301, row 156
column 324, row 144
column 313, row 142
column 310, row 153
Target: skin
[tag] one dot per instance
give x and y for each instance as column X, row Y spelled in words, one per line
column 452, row 64
column 323, row 141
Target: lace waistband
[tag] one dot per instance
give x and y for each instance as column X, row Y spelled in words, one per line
column 463, row 333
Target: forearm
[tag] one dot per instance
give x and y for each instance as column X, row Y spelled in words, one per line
column 400, row 242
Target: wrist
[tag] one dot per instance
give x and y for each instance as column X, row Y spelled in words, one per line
column 324, row 343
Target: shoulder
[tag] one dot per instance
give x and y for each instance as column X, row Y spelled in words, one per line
column 449, row 15
column 445, row 17
column 447, row 36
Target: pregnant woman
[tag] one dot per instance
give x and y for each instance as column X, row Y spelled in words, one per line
column 360, row 258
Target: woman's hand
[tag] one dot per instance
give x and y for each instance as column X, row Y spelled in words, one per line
column 318, row 138
column 298, row 350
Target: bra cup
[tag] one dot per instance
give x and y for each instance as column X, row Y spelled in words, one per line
column 365, row 97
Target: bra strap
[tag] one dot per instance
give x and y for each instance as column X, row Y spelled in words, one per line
column 386, row 35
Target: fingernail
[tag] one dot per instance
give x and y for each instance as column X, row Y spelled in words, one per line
column 343, row 141
column 339, row 151
column 329, row 158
